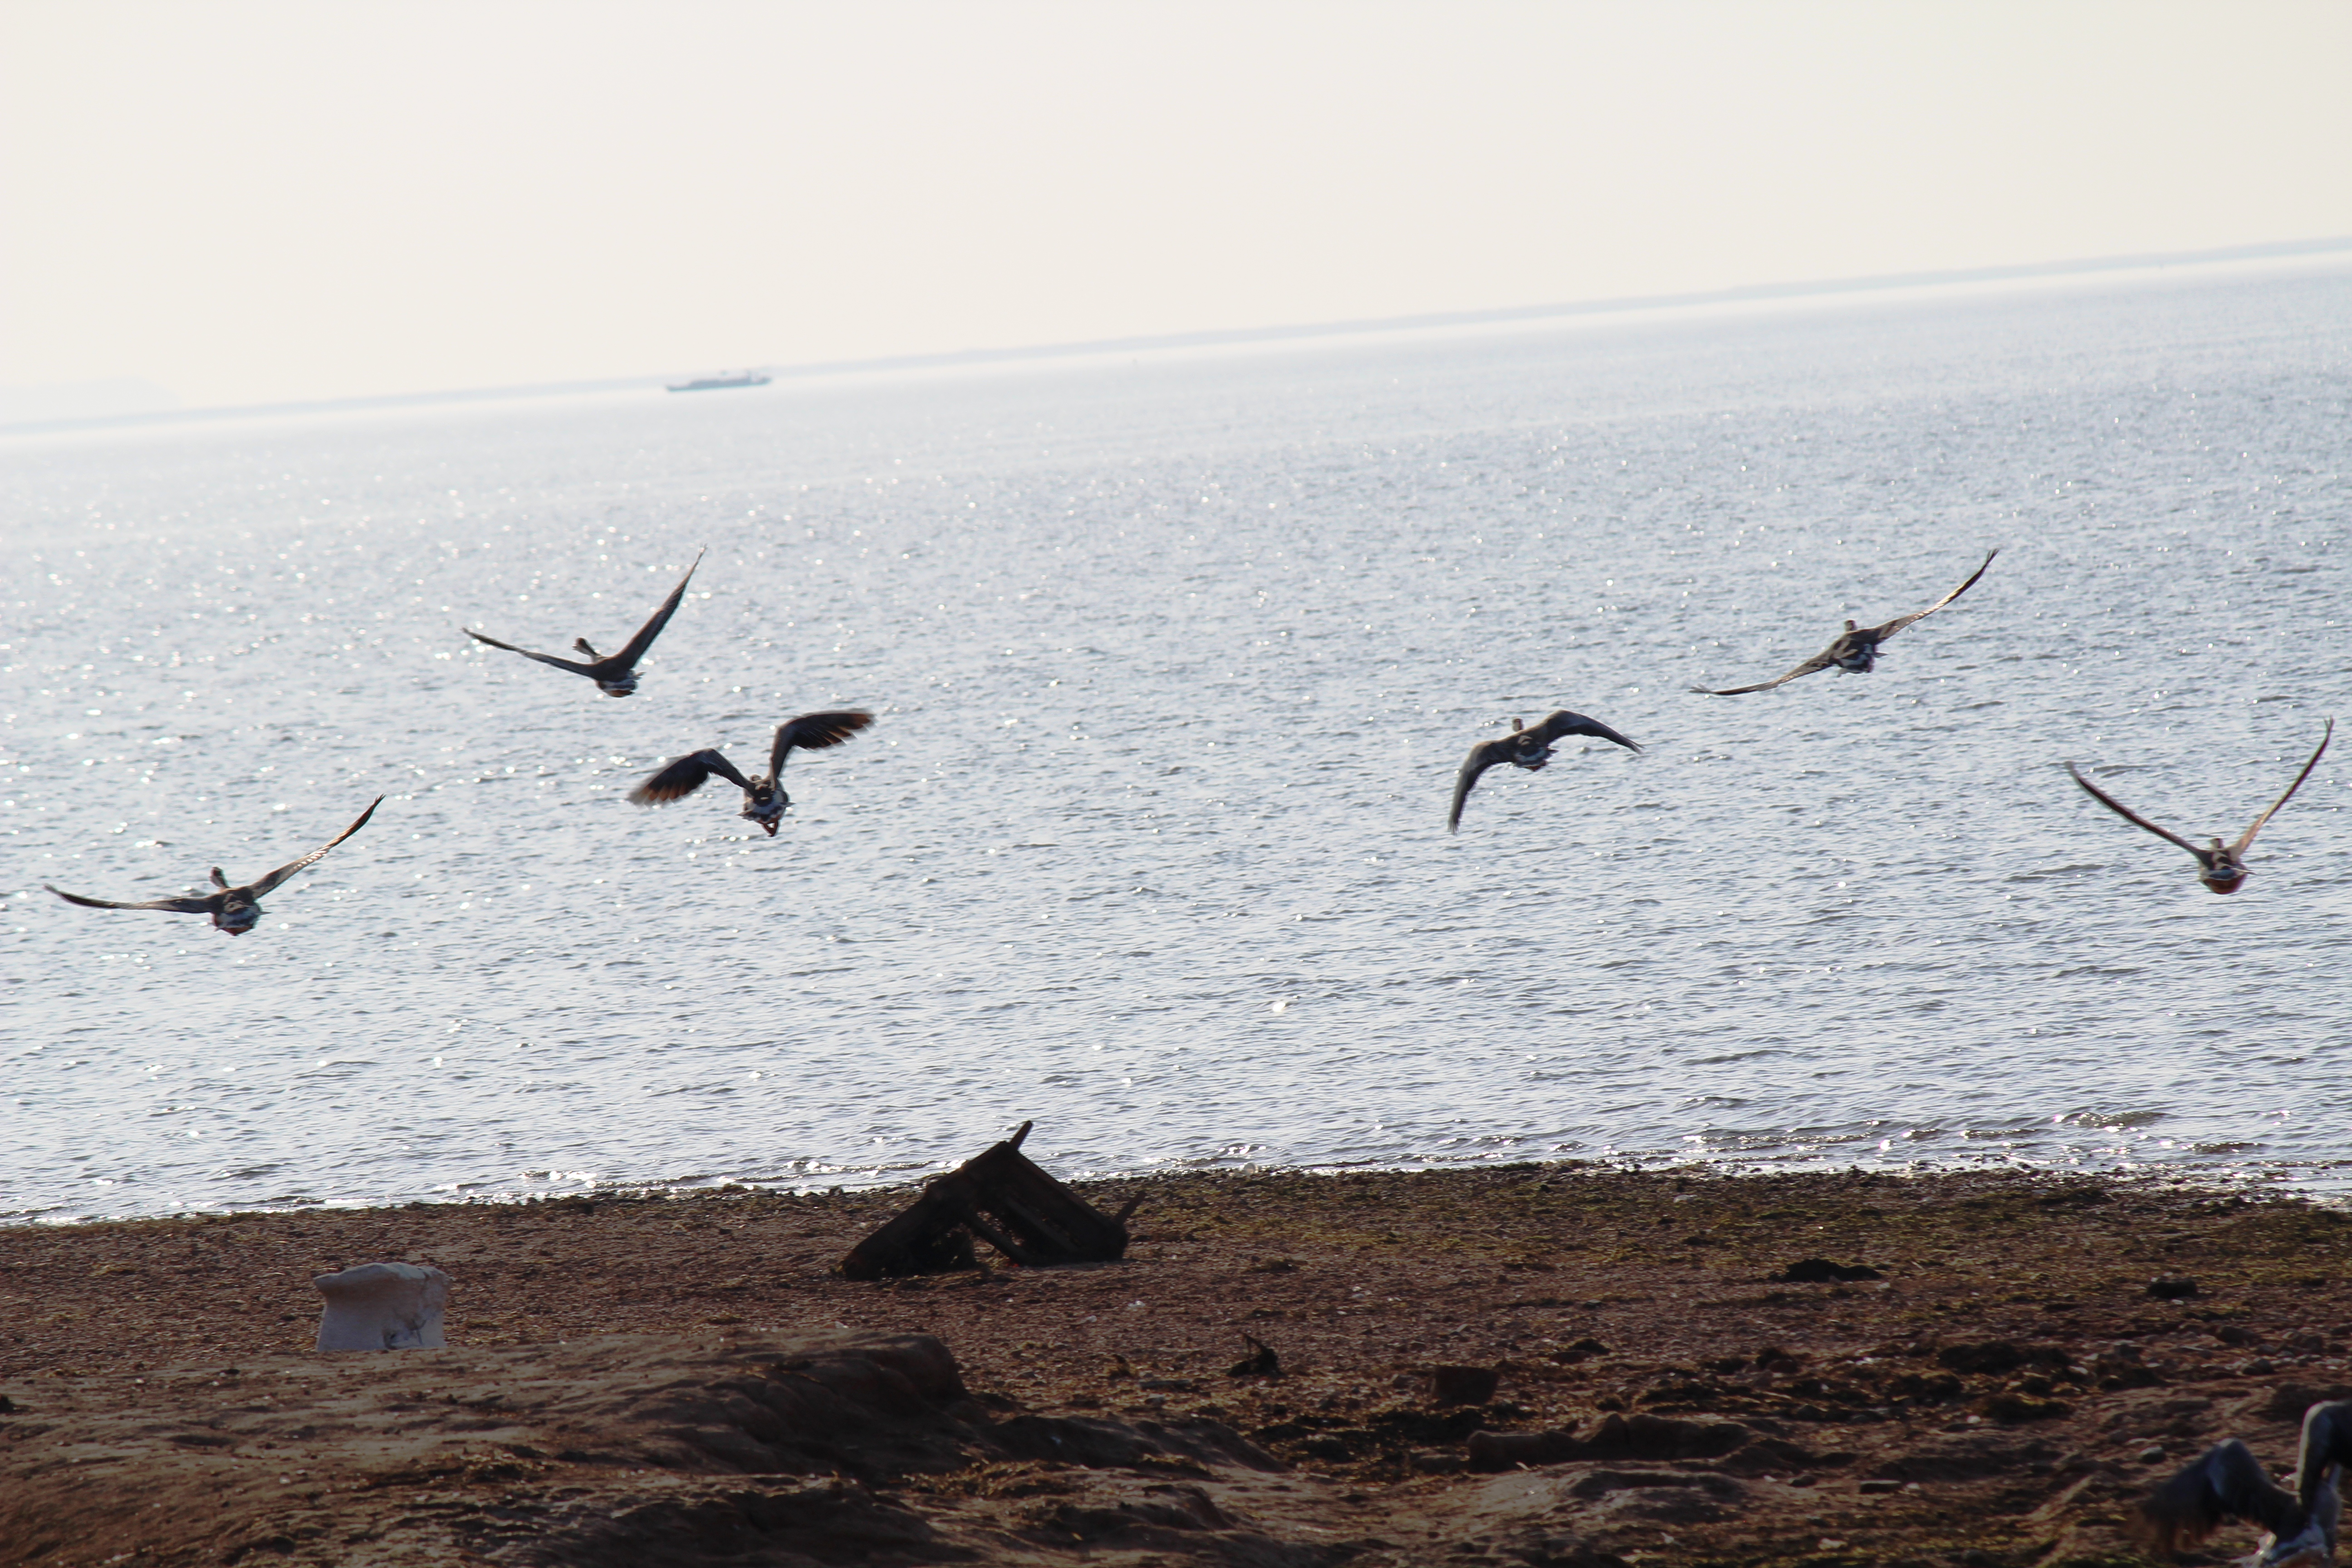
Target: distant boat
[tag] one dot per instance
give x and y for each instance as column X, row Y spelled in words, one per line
column 724, row 378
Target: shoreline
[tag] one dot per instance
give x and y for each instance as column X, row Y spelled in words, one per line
column 2003, row 1387
column 2299, row 1181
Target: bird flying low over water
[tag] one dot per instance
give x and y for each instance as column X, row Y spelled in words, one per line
column 2228, row 1482
column 1528, row 748
column 234, row 909
column 616, row 675
column 1855, row 650
column 764, row 798
column 2222, row 868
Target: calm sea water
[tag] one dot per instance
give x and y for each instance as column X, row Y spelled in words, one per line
column 1174, row 658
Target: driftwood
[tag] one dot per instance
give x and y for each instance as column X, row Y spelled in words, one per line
column 1003, row 1199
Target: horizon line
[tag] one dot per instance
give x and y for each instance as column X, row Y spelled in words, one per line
column 1227, row 336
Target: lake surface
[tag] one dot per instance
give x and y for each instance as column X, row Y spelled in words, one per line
column 1173, row 660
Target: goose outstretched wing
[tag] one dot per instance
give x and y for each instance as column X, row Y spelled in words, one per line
column 263, row 884
column 628, row 657
column 1483, row 755
column 575, row 665
column 1820, row 661
column 2248, row 835
column 176, row 906
column 684, row 776
column 813, row 732
column 2204, row 857
column 1561, row 723
column 1882, row 633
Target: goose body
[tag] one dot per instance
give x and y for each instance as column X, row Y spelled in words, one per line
column 1855, row 649
column 764, row 799
column 234, row 909
column 2221, row 866
column 1528, row 748
column 616, row 675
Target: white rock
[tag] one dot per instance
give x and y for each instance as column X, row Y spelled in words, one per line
column 383, row 1306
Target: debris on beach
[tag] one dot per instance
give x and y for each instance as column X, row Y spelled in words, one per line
column 1260, row 1362
column 383, row 1306
column 1003, row 1198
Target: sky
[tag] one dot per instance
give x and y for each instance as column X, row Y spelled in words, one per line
column 257, row 201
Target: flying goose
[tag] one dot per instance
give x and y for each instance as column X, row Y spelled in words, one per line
column 614, row 674
column 1528, row 749
column 764, row 798
column 2228, row 1482
column 234, row 909
column 1856, row 648
column 2222, row 868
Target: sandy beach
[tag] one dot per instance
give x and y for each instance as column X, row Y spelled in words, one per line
column 683, row 1380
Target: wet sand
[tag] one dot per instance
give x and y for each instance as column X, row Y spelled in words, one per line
column 612, row 1393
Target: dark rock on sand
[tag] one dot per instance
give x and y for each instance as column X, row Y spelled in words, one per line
column 1463, row 1384
column 1821, row 1271
column 1996, row 1356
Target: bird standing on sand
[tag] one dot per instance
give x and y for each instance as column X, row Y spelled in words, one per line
column 764, row 798
column 2228, row 1482
column 234, row 909
column 1528, row 749
column 616, row 675
column 1855, row 650
column 2222, row 868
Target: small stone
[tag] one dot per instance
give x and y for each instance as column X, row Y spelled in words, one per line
column 2152, row 1455
column 1877, row 1486
column 1463, row 1384
column 2171, row 1287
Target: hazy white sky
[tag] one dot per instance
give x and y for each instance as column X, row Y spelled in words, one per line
column 265, row 200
